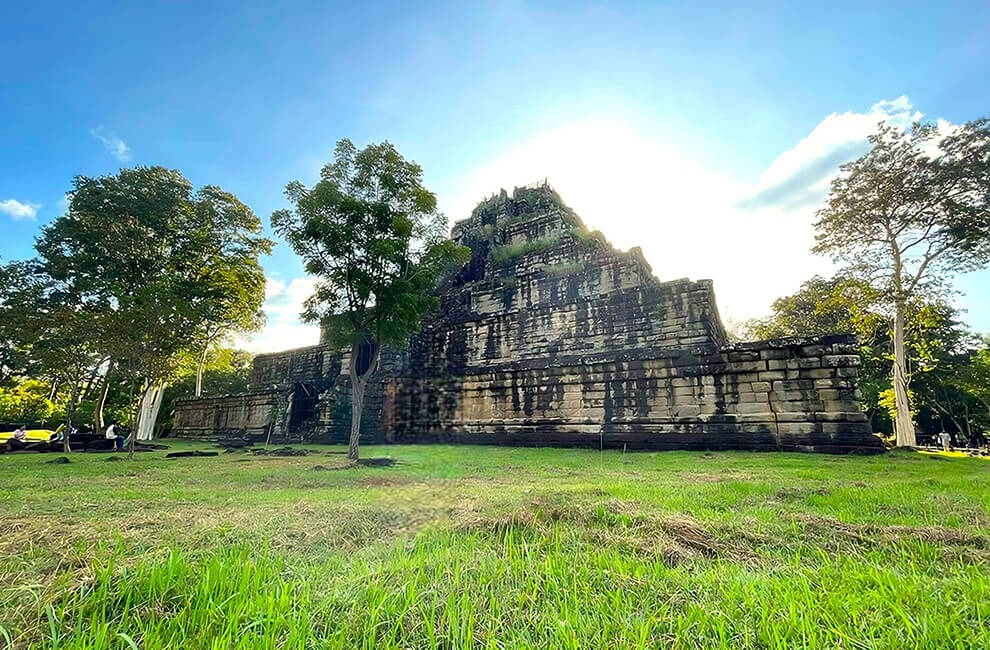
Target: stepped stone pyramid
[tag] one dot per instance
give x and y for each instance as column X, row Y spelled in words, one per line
column 550, row 336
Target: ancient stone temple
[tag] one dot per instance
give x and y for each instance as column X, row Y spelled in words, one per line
column 550, row 336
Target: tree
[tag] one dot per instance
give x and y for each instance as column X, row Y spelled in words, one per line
column 371, row 234
column 905, row 220
column 934, row 338
column 161, row 262
column 25, row 401
column 974, row 377
column 15, row 358
column 53, row 324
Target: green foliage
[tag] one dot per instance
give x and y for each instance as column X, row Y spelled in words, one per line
column 844, row 304
column 826, row 306
column 974, row 377
column 509, row 253
column 371, row 234
column 888, row 402
column 475, row 236
column 164, row 262
column 140, row 269
column 450, row 548
column 26, row 401
column 906, row 219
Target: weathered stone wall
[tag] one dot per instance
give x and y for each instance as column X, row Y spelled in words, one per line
column 314, row 387
column 247, row 414
column 550, row 336
column 312, row 364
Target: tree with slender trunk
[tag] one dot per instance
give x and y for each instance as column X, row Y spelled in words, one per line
column 906, row 216
column 167, row 266
column 101, row 397
column 371, row 234
column 974, row 377
column 54, row 324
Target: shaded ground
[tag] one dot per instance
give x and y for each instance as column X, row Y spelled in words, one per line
column 495, row 547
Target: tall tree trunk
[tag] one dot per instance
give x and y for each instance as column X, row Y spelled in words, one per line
column 69, row 410
column 199, row 370
column 903, row 423
column 969, row 428
column 151, row 402
column 358, row 385
column 101, row 400
column 135, row 418
column 357, row 404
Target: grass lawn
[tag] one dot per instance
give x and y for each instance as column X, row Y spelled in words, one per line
column 487, row 547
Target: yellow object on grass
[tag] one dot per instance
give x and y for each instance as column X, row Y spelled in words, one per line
column 33, row 435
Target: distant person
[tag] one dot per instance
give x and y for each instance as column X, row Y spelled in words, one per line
column 113, row 433
column 946, row 441
column 18, row 440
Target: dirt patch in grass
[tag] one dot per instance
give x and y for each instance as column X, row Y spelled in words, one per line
column 874, row 532
column 953, row 541
column 613, row 524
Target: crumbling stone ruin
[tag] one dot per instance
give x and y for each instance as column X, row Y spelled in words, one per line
column 550, row 336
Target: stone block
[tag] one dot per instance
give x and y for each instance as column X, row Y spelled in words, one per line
column 753, row 407
column 763, row 416
column 745, row 355
column 793, row 385
column 797, row 428
column 813, row 350
column 746, row 366
column 794, row 416
column 841, row 360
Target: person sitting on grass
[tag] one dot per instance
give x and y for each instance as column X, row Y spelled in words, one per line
column 18, row 440
column 113, row 434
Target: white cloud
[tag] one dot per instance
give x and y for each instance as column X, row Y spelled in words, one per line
column 800, row 176
column 753, row 240
column 18, row 210
column 284, row 330
column 114, row 145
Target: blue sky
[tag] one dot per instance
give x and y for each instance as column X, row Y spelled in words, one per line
column 705, row 135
